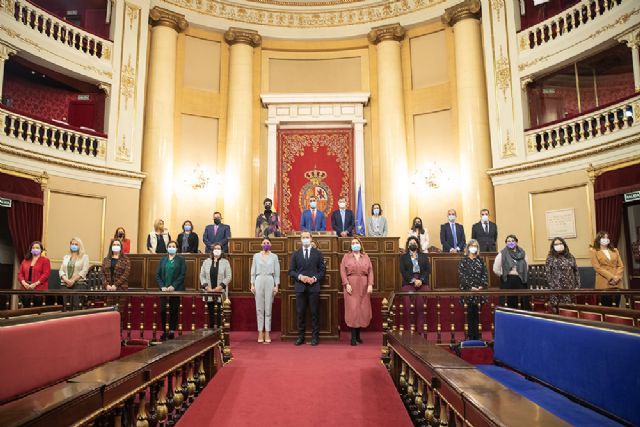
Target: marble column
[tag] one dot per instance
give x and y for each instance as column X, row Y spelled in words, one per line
column 157, row 147
column 239, row 153
column 473, row 116
column 394, row 190
column 5, row 52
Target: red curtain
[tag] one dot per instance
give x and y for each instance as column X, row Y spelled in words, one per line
column 25, row 213
column 316, row 162
column 608, row 191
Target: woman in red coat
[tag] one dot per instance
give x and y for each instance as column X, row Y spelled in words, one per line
column 34, row 274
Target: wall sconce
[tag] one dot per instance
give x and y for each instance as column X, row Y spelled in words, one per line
column 200, row 178
column 431, row 176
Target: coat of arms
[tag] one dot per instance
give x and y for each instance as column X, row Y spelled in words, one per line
column 316, row 187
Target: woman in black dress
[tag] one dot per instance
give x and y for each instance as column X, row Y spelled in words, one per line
column 473, row 276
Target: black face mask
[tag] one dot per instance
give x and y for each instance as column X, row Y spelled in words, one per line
column 120, row 235
column 267, row 207
column 216, row 221
column 413, row 247
column 417, row 224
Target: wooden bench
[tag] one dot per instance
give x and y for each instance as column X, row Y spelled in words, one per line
column 438, row 387
column 620, row 316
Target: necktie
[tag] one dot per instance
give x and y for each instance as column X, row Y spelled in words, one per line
column 455, row 239
column 306, row 254
column 215, row 229
column 486, row 227
column 342, row 216
column 313, row 219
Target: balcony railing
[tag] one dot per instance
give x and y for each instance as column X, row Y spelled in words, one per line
column 54, row 28
column 565, row 22
column 586, row 128
column 69, row 139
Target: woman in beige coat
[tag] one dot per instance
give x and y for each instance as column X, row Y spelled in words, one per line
column 606, row 260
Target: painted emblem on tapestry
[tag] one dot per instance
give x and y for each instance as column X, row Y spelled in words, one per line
column 316, row 187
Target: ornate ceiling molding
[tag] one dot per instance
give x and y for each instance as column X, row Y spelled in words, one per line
column 304, row 3
column 159, row 16
column 393, row 32
column 310, row 19
column 240, row 35
column 468, row 9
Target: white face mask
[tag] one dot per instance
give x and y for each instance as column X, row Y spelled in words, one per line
column 115, row 249
column 559, row 247
column 217, row 252
column 452, row 218
column 485, row 218
column 473, row 249
column 342, row 205
column 306, row 242
column 604, row 242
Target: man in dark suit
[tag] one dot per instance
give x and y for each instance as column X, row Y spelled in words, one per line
column 307, row 268
column 452, row 234
column 342, row 220
column 485, row 232
column 217, row 233
column 312, row 219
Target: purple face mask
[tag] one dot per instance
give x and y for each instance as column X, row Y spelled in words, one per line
column 266, row 247
column 511, row 245
column 35, row 252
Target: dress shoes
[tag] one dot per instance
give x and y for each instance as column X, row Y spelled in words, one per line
column 358, row 339
column 315, row 341
column 299, row 341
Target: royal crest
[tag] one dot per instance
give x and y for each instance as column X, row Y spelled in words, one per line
column 316, row 187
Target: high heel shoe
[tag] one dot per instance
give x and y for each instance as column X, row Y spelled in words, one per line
column 353, row 337
column 260, row 337
column 267, row 338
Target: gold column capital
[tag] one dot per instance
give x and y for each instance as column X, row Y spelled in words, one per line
column 240, row 35
column 395, row 32
column 631, row 38
column 468, row 9
column 159, row 16
column 6, row 51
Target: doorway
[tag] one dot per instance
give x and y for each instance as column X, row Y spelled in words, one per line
column 7, row 257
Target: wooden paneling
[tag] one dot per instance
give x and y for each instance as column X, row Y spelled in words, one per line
column 328, row 316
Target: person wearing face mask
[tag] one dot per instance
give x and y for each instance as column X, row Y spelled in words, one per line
column 377, row 226
column 485, row 232
column 158, row 239
column 188, row 241
column 419, row 231
column 513, row 268
column 268, row 222
column 73, row 272
column 472, row 276
column 33, row 274
column 216, row 233
column 313, row 219
column 452, row 234
column 215, row 276
column 609, row 268
column 307, row 269
column 121, row 235
column 561, row 271
column 356, row 273
column 342, row 220
column 415, row 269
column 170, row 278
column 265, row 279
column 115, row 268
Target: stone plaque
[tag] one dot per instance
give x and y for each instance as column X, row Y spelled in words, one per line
column 561, row 223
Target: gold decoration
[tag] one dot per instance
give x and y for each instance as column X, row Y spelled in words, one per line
column 240, row 35
column 106, row 53
column 315, row 176
column 503, row 74
column 132, row 13
column 497, row 6
column 523, row 42
column 6, row 51
column 508, row 148
column 468, row 9
column 531, row 144
column 127, row 82
column 283, row 18
column 165, row 17
column 122, row 153
column 305, row 3
column 395, row 32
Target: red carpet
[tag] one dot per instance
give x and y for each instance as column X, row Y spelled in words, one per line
column 279, row 384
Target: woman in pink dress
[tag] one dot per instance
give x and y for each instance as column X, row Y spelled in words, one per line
column 357, row 280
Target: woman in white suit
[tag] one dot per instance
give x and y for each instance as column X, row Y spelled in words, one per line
column 265, row 279
column 73, row 272
column 377, row 224
column 215, row 276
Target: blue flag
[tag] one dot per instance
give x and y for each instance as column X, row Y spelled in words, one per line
column 359, row 214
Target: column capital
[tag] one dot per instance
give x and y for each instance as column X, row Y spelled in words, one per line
column 236, row 35
column 6, row 51
column 631, row 38
column 159, row 16
column 395, row 32
column 468, row 9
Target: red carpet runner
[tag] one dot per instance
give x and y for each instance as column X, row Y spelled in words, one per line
column 279, row 384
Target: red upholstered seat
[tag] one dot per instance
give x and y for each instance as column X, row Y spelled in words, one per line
column 588, row 315
column 621, row 320
column 38, row 354
column 567, row 313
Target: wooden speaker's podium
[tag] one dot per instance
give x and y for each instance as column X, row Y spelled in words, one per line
column 383, row 252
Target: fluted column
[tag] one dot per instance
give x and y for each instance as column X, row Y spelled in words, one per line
column 238, row 162
column 394, row 193
column 5, row 52
column 157, row 148
column 473, row 115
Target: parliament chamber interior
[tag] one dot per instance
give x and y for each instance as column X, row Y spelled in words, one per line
column 319, row 212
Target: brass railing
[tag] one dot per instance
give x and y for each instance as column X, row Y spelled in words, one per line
column 140, row 311
column 39, row 20
column 565, row 22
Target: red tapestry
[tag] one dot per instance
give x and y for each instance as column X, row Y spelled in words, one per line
column 313, row 162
